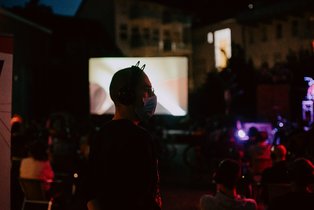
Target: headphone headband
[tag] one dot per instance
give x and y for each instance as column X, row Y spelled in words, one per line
column 137, row 65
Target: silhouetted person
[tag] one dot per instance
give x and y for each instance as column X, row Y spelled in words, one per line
column 37, row 164
column 227, row 177
column 277, row 173
column 260, row 154
column 301, row 144
column 122, row 163
column 253, row 134
column 18, row 140
column 301, row 196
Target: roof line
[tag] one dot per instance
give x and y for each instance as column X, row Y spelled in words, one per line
column 21, row 19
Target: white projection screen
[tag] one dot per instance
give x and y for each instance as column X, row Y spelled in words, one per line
column 168, row 75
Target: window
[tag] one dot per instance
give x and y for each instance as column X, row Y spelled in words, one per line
column 308, row 30
column 177, row 37
column 295, row 28
column 278, row 31
column 135, row 37
column 264, row 34
column 277, row 57
column 146, row 34
column 222, row 45
column 155, row 37
column 167, row 41
column 251, row 37
column 210, row 38
column 186, row 35
column 123, row 32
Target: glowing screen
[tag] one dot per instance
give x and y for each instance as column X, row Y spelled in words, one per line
column 168, row 75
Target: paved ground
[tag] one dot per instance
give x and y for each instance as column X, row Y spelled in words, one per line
column 182, row 186
column 181, row 198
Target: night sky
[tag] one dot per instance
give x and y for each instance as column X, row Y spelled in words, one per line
column 202, row 11
column 60, row 7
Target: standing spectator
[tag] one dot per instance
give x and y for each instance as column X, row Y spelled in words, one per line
column 301, row 195
column 277, row 173
column 227, row 177
column 122, row 161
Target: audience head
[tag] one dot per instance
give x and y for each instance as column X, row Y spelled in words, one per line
column 263, row 136
column 228, row 173
column 123, row 84
column 302, row 172
column 131, row 92
column 253, row 133
column 278, row 152
column 38, row 150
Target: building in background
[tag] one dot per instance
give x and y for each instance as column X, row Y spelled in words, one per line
column 268, row 36
column 212, row 47
column 141, row 28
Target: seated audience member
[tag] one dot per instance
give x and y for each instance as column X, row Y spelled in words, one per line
column 301, row 195
column 226, row 197
column 37, row 164
column 277, row 173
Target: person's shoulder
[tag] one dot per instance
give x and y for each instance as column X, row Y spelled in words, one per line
column 207, row 201
column 250, row 204
column 206, row 197
column 27, row 160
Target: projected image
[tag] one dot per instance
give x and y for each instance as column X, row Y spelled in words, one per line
column 168, row 75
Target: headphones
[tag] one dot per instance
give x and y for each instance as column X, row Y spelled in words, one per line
column 126, row 94
column 227, row 172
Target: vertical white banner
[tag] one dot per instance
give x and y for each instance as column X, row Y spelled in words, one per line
column 6, row 62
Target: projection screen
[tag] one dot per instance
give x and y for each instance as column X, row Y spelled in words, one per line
column 168, row 75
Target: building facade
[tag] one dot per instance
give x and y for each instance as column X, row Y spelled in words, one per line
column 267, row 35
column 143, row 29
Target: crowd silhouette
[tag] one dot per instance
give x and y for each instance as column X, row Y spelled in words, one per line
column 263, row 163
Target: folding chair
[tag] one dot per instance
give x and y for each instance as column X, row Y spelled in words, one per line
column 34, row 192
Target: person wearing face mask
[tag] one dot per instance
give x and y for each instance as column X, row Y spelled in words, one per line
column 123, row 165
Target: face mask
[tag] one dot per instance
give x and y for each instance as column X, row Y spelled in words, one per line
column 148, row 109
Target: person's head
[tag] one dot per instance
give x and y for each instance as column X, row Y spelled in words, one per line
column 131, row 91
column 278, row 153
column 38, row 150
column 262, row 137
column 253, row 133
column 302, row 172
column 228, row 173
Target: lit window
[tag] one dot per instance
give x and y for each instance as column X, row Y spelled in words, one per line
column 210, row 38
column 222, row 42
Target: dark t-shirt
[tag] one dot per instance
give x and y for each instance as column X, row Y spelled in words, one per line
column 123, row 167
column 277, row 174
column 293, row 201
